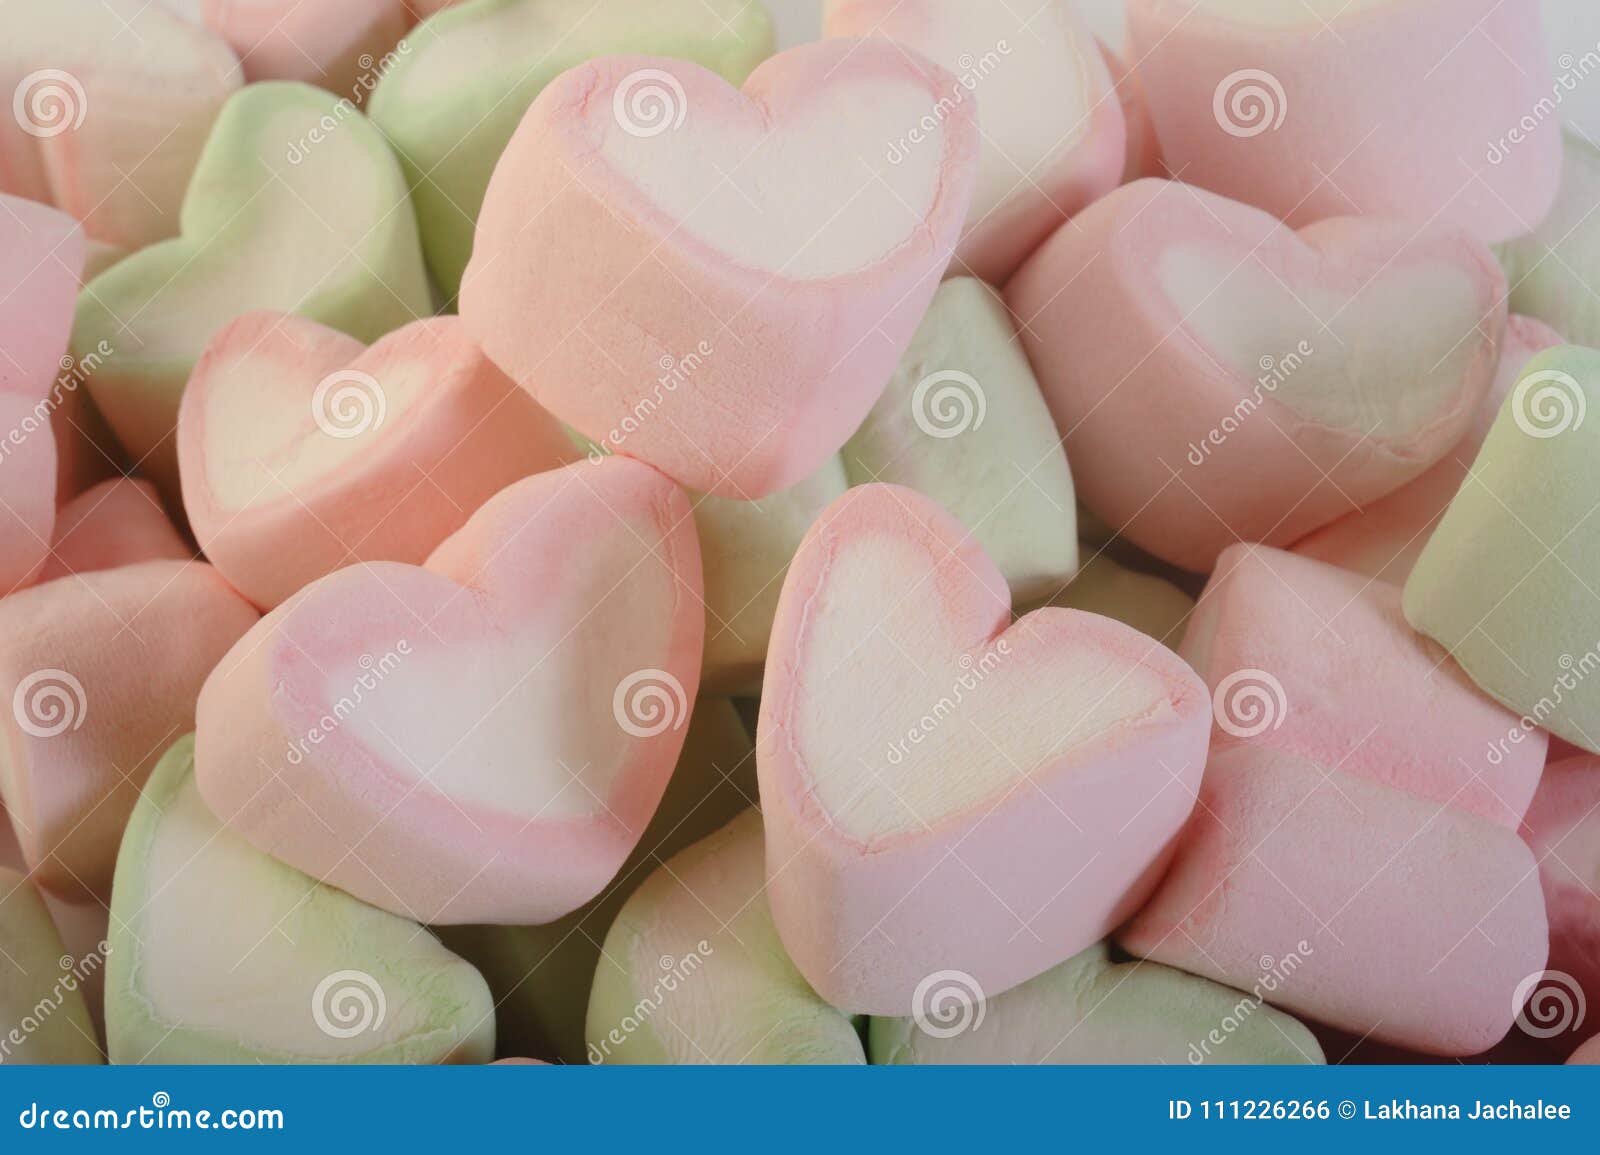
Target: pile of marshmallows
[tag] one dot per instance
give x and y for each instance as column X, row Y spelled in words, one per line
column 418, row 479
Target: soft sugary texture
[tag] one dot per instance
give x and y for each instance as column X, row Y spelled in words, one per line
column 944, row 789
column 116, row 98
column 1563, row 829
column 116, row 523
column 1384, row 539
column 541, row 975
column 40, row 1000
column 1550, row 269
column 482, row 738
column 220, row 954
column 1191, row 346
column 1588, row 1054
column 338, row 45
column 1417, row 109
column 1421, row 921
column 1144, row 148
column 1092, row 1010
column 695, row 971
column 285, row 213
column 452, row 101
column 1149, row 604
column 41, row 253
column 747, row 546
column 747, row 322
column 1053, row 133
column 99, row 673
column 1505, row 583
column 301, row 451
column 1319, row 662
column 962, row 422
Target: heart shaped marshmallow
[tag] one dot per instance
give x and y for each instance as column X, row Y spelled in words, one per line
column 301, row 451
column 482, row 738
column 717, row 317
column 944, row 790
column 1191, row 346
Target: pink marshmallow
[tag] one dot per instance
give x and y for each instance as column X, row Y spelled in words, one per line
column 1563, row 830
column 1143, row 157
column 334, row 44
column 101, row 671
column 302, row 451
column 1357, row 109
column 1218, row 378
column 1420, row 921
column 41, row 254
column 649, row 267
column 118, row 522
column 1587, row 1055
column 1053, row 135
column 943, row 789
column 1384, row 539
column 1319, row 662
column 482, row 738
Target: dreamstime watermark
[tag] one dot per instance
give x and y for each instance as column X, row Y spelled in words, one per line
column 75, row 972
column 373, row 672
column 649, row 102
column 48, row 703
column 948, row 403
column 1574, row 71
column 1248, row 703
column 973, row 672
column 947, row 1003
column 1275, row 973
column 1574, row 671
column 49, row 102
column 676, row 973
column 1249, row 102
column 1274, row 372
column 373, row 69
column 1549, row 1003
column 348, row 1003
column 74, row 372
column 650, row 702
column 1548, row 403
column 974, row 70
column 348, row 403
column 675, row 372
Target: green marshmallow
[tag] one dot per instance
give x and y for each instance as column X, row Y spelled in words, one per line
column 1554, row 271
column 43, row 1015
column 296, row 205
column 462, row 80
column 1149, row 604
column 963, row 422
column 694, row 972
column 540, row 975
column 1090, row 1010
column 1507, row 583
column 220, row 954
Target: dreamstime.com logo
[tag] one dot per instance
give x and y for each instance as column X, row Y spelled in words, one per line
column 1249, row 102
column 1548, row 404
column 973, row 71
column 348, row 403
column 649, row 102
column 650, row 702
column 75, row 973
column 1574, row 672
column 1275, row 972
column 1248, row 703
column 1548, row 1004
column 675, row 371
column 948, row 403
column 74, row 372
column 947, row 1003
column 973, row 672
column 49, row 702
column 49, row 102
column 1274, row 372
column 373, row 671
column 1574, row 71
column 675, row 972
column 348, row 1003
column 372, row 71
